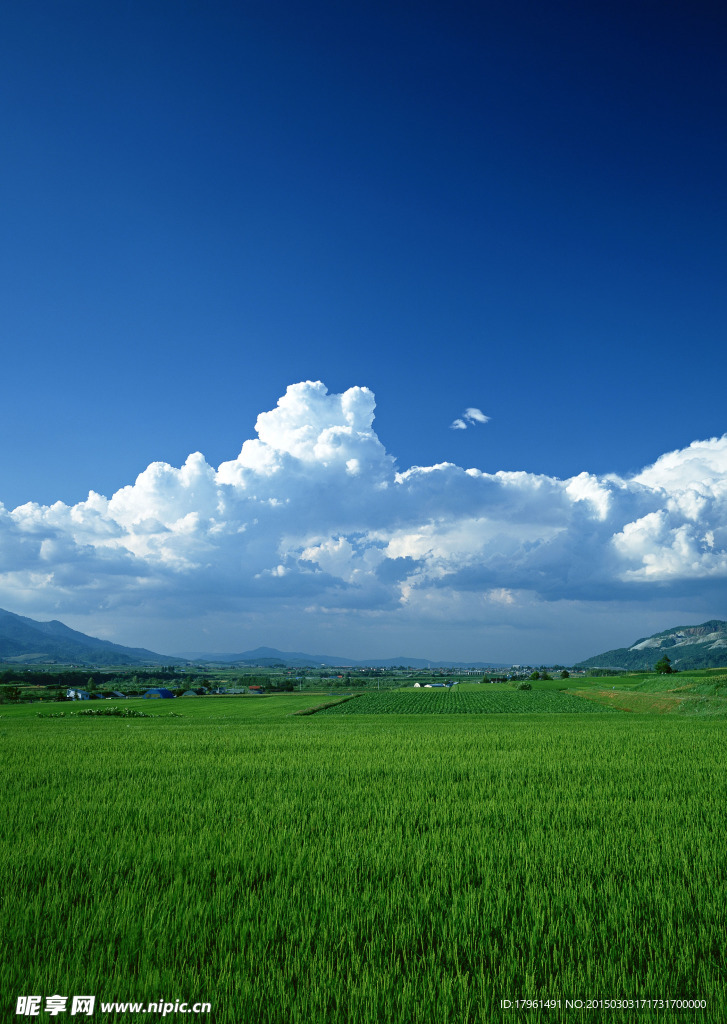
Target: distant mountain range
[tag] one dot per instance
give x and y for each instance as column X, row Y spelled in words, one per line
column 26, row 641
column 269, row 657
column 688, row 647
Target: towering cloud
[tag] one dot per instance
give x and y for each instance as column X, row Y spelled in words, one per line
column 313, row 514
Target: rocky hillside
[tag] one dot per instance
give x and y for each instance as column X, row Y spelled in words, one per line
column 688, row 647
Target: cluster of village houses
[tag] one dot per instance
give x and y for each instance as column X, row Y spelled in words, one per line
column 156, row 691
column 162, row 692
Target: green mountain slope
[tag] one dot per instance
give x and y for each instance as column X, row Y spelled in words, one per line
column 688, row 647
column 26, row 640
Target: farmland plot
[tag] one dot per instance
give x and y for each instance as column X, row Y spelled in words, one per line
column 484, row 701
column 356, row 870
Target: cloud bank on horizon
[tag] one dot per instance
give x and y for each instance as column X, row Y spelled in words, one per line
column 314, row 518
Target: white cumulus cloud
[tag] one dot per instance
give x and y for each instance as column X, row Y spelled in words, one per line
column 312, row 519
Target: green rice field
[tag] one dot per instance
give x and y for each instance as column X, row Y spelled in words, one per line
column 365, row 867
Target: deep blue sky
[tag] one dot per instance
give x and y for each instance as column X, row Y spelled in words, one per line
column 516, row 206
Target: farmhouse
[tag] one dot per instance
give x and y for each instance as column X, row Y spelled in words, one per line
column 78, row 694
column 159, row 691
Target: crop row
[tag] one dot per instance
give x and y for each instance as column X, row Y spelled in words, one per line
column 454, row 702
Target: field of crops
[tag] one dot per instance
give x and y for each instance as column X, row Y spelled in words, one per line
column 356, row 870
column 485, row 700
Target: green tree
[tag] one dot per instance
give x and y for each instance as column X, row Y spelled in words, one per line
column 663, row 666
column 565, row 674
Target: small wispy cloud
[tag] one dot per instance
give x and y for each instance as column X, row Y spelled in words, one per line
column 469, row 416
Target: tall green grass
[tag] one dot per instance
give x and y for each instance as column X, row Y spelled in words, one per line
column 363, row 869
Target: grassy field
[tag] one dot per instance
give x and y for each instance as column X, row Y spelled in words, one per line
column 702, row 693
column 364, row 868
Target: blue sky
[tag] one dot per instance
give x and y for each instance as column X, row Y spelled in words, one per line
column 513, row 208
